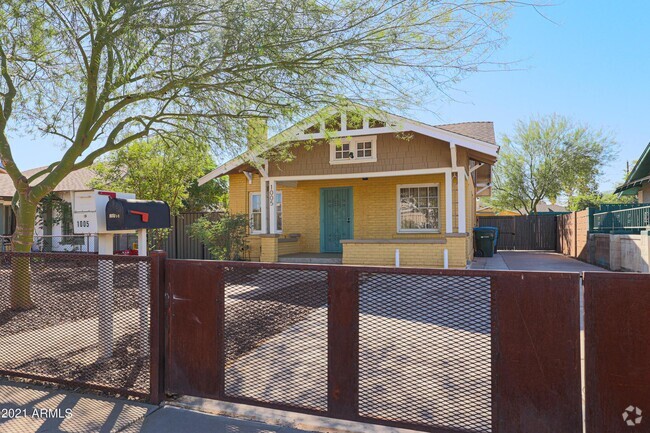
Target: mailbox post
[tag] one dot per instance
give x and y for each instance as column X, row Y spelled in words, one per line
column 88, row 217
column 91, row 215
column 129, row 214
column 143, row 292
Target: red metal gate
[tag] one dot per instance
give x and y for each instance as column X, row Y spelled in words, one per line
column 433, row 350
column 617, row 348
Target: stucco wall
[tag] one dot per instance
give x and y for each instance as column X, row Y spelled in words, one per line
column 628, row 253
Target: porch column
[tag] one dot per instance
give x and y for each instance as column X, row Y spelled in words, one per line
column 462, row 211
column 449, row 223
column 273, row 215
column 265, row 205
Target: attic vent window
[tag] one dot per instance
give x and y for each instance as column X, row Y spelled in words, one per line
column 353, row 150
column 354, row 121
column 313, row 129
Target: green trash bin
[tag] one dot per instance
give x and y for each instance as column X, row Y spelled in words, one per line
column 484, row 239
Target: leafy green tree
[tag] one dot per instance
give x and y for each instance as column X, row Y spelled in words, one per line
column 157, row 169
column 212, row 196
column 596, row 199
column 548, row 157
column 100, row 74
column 160, row 169
column 224, row 236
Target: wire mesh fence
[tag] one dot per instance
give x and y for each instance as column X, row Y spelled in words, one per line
column 276, row 336
column 424, row 350
column 87, row 319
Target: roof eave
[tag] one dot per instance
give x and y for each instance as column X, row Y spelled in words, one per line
column 290, row 134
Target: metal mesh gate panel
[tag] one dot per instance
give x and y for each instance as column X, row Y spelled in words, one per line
column 276, row 336
column 89, row 322
column 424, row 350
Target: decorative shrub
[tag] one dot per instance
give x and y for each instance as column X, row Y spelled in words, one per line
column 224, row 236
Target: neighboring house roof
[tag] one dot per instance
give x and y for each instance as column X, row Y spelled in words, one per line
column 476, row 136
column 639, row 175
column 78, row 180
column 543, row 207
column 490, row 211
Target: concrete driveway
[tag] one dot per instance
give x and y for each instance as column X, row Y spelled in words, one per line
column 533, row 261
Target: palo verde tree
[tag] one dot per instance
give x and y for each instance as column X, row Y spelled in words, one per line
column 545, row 158
column 100, row 74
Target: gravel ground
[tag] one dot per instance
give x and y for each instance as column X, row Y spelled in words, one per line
column 263, row 305
column 65, row 294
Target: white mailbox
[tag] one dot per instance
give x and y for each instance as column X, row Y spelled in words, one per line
column 88, row 211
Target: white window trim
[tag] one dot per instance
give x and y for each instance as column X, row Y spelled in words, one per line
column 352, row 141
column 399, row 221
column 250, row 211
column 275, row 209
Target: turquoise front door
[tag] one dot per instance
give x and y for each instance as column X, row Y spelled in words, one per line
column 335, row 218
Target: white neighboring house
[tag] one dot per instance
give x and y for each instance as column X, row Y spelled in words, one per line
column 56, row 234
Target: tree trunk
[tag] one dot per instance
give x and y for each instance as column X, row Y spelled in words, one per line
column 23, row 238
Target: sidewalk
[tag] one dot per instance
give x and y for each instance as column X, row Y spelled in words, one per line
column 34, row 409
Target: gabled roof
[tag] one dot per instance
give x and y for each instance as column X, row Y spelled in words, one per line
column 78, row 180
column 477, row 136
column 483, row 131
column 639, row 175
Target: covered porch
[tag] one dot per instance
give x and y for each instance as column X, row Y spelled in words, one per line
column 403, row 218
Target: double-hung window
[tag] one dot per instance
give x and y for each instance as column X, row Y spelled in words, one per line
column 418, row 208
column 255, row 212
column 355, row 149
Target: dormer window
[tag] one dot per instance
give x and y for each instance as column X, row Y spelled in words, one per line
column 354, row 149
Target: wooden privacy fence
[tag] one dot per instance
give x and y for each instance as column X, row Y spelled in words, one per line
column 524, row 232
column 179, row 244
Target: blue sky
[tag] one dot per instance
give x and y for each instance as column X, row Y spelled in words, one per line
column 591, row 63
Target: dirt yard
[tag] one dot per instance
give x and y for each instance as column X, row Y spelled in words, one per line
column 59, row 336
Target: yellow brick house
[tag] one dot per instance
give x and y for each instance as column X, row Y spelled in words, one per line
column 364, row 187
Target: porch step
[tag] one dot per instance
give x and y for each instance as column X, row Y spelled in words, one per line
column 322, row 259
